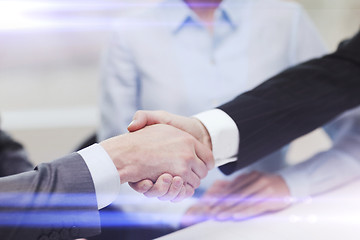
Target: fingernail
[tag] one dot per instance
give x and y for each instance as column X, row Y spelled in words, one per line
column 167, row 180
column 178, row 183
column 132, row 122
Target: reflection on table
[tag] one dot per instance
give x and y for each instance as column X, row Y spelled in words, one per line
column 333, row 215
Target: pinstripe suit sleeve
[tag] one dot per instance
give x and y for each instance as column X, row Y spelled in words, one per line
column 295, row 102
column 56, row 199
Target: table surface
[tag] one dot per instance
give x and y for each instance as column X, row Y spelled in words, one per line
column 333, row 215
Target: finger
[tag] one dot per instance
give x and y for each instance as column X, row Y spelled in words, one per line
column 194, row 215
column 256, row 184
column 161, row 186
column 192, row 179
column 146, row 118
column 139, row 121
column 223, row 193
column 242, row 208
column 244, row 180
column 261, row 196
column 196, row 208
column 238, row 195
column 199, row 209
column 217, row 187
column 199, row 168
column 211, row 196
column 190, row 190
column 142, row 186
column 175, row 188
column 188, row 220
column 254, row 210
column 264, row 202
column 205, row 154
column 181, row 196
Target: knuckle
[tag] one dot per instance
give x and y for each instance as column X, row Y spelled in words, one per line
column 196, row 183
column 163, row 198
column 161, row 112
column 177, row 182
column 188, row 158
column 203, row 173
column 164, row 115
column 184, row 173
column 148, row 194
column 160, row 191
column 189, row 192
column 166, row 179
column 188, row 139
column 139, row 112
column 143, row 188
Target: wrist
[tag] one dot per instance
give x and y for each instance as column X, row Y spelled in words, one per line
column 120, row 154
column 202, row 135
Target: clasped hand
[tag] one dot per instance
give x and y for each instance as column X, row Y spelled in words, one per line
column 184, row 143
column 160, row 160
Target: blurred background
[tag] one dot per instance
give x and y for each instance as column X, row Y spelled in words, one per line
column 49, row 67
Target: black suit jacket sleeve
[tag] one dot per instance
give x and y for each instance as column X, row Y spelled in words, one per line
column 55, row 201
column 295, row 102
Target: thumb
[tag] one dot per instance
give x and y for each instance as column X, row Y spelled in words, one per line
column 139, row 121
column 142, row 119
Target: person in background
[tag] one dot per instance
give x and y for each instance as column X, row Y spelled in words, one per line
column 189, row 56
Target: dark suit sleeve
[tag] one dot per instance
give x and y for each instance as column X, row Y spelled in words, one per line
column 295, row 102
column 55, row 201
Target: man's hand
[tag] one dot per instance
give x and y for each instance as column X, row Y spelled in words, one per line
column 152, row 151
column 246, row 196
column 166, row 188
column 192, row 126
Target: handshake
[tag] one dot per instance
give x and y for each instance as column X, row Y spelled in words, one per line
column 164, row 155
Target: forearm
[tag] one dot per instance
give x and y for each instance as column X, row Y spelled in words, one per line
column 57, row 195
column 323, row 172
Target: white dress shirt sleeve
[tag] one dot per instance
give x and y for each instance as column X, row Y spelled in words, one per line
column 323, row 172
column 332, row 168
column 224, row 135
column 104, row 174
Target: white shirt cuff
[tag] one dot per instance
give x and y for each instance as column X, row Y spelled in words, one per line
column 224, row 135
column 104, row 174
column 297, row 180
